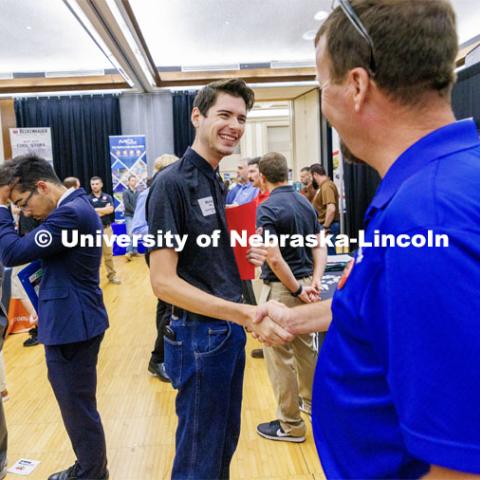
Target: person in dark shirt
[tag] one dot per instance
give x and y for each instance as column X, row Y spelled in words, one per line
column 292, row 276
column 3, row 423
column 130, row 196
column 26, row 225
column 204, row 344
column 103, row 204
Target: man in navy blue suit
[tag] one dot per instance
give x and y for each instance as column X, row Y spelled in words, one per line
column 72, row 315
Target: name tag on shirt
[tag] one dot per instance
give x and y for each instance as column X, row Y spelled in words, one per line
column 207, row 206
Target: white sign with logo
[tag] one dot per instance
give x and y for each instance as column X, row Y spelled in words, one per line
column 32, row 140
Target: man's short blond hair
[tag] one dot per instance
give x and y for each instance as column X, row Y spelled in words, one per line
column 164, row 161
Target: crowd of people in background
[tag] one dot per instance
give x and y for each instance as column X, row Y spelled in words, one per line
column 396, row 392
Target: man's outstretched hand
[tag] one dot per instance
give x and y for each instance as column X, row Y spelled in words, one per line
column 276, row 312
column 267, row 331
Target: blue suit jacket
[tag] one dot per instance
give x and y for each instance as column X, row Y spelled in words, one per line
column 70, row 307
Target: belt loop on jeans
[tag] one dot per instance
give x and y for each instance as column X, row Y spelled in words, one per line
column 177, row 312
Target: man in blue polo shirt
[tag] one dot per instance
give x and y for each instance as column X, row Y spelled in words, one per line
column 244, row 191
column 397, row 388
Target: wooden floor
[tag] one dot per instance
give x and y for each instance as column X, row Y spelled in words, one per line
column 137, row 410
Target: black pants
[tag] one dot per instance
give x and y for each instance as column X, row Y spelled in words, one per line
column 164, row 310
column 248, row 294
column 72, row 372
column 3, row 437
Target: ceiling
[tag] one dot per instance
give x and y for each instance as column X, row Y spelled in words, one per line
column 149, row 44
column 212, row 32
column 43, row 36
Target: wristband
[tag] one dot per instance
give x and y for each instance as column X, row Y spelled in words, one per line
column 298, row 292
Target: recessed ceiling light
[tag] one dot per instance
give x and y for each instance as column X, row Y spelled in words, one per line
column 310, row 35
column 321, row 15
column 29, row 27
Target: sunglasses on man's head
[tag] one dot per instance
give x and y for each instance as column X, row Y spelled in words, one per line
column 354, row 19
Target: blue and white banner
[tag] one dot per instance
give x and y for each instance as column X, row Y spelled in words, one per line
column 128, row 155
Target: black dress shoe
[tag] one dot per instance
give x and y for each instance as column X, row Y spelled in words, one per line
column 257, row 353
column 157, row 369
column 30, row 342
column 71, row 474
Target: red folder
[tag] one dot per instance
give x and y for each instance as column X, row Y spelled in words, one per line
column 242, row 219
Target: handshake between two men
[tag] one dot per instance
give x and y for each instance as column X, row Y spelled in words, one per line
column 275, row 323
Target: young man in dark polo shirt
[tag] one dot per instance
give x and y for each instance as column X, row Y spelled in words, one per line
column 292, row 276
column 103, row 204
column 204, row 344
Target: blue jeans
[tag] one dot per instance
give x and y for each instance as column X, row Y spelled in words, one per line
column 128, row 225
column 206, row 363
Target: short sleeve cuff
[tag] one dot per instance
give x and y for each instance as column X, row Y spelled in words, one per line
column 447, row 454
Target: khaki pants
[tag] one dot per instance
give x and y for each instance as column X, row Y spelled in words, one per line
column 291, row 367
column 107, row 254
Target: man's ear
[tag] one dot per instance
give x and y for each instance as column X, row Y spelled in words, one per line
column 195, row 117
column 359, row 83
column 42, row 186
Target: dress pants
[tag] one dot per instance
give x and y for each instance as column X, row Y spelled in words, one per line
column 291, row 368
column 3, row 438
column 72, row 372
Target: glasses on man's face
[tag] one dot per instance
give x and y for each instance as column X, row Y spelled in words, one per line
column 24, row 205
column 354, row 19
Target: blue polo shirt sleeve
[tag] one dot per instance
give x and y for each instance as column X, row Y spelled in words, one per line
column 432, row 306
column 166, row 210
column 266, row 219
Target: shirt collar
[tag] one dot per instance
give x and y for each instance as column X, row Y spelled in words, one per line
column 444, row 141
column 65, row 195
column 283, row 188
column 193, row 157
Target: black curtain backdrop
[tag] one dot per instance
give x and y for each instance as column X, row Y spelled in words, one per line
column 361, row 182
column 466, row 93
column 80, row 129
column 183, row 131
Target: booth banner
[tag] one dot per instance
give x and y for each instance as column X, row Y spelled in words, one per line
column 128, row 155
column 32, row 140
